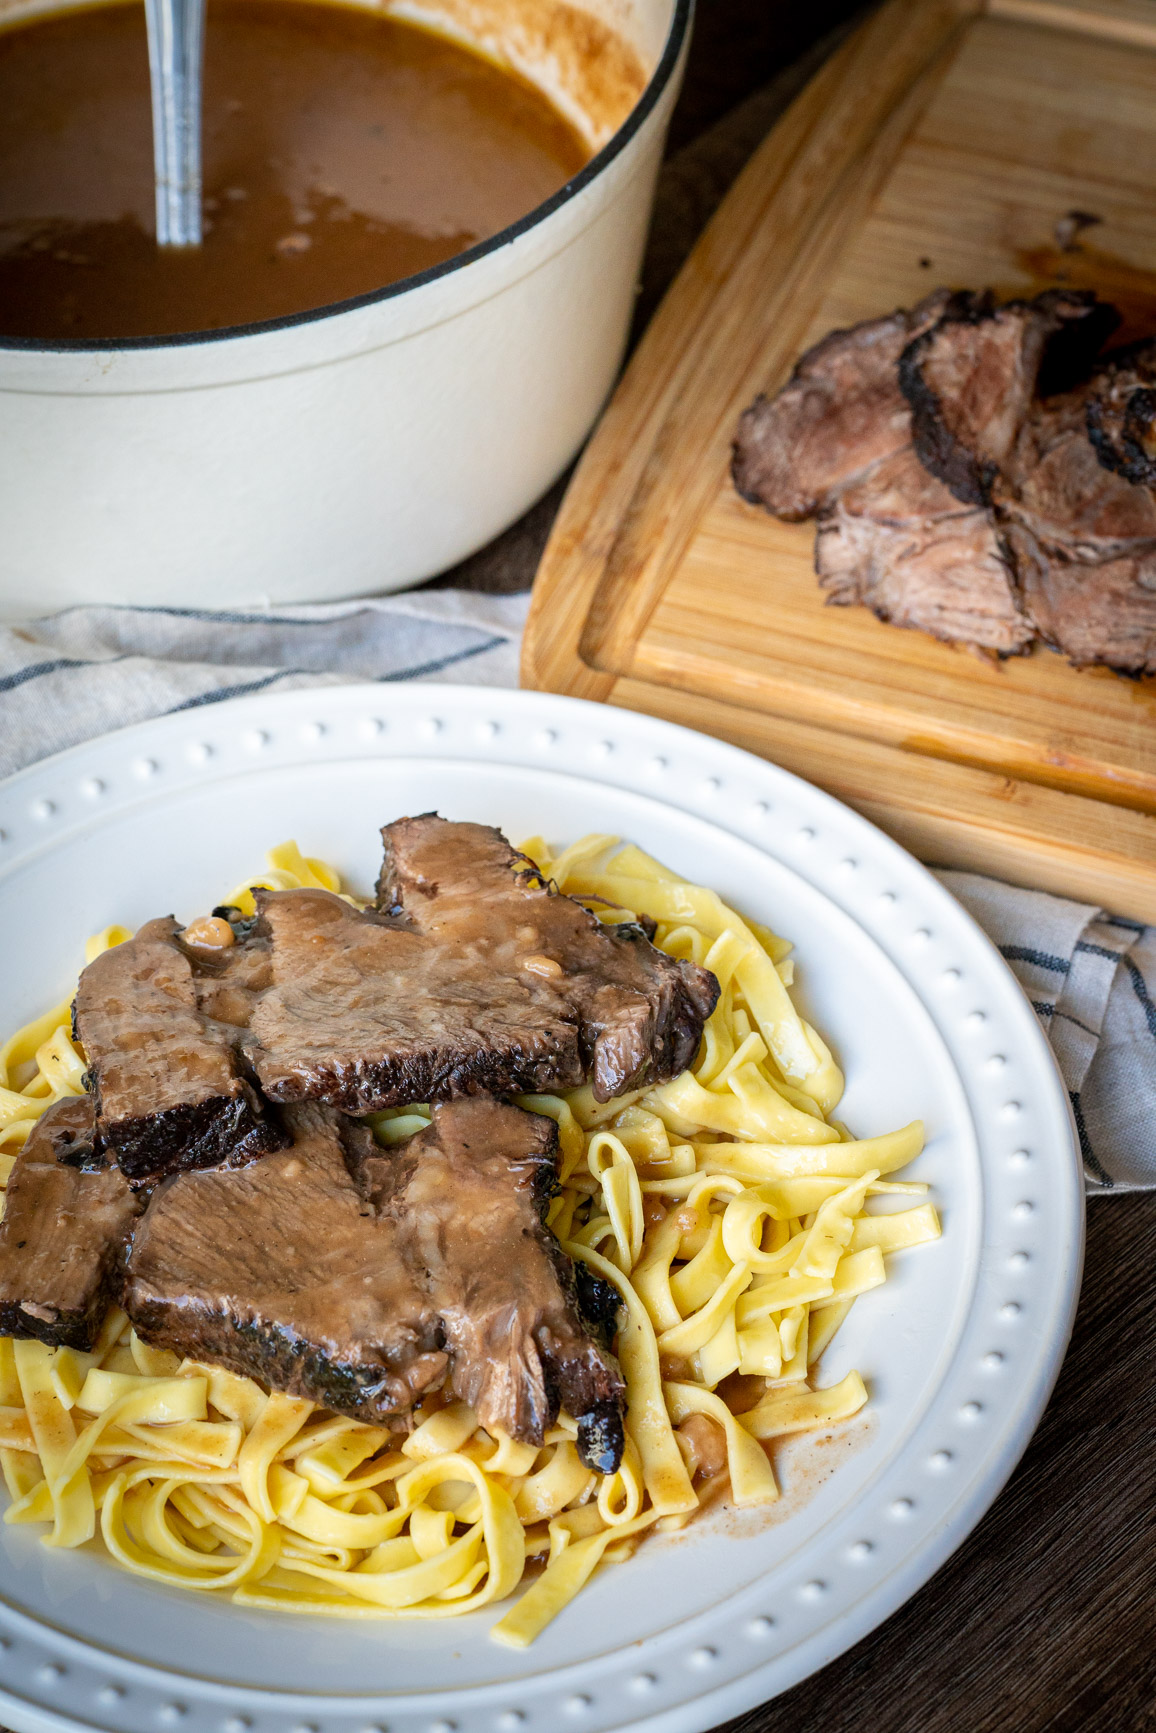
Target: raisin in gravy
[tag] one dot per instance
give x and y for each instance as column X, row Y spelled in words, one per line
column 343, row 151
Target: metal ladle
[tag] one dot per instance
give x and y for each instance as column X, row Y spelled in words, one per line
column 176, row 34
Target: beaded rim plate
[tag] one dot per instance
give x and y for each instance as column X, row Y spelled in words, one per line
column 960, row 1349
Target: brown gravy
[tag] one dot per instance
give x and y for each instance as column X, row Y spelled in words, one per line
column 342, row 151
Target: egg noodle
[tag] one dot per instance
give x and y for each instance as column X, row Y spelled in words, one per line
column 728, row 1208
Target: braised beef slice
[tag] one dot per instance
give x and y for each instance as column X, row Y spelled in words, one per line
column 279, row 1271
column 841, row 411
column 971, row 377
column 1084, row 541
column 365, row 1014
column 355, row 1277
column 468, row 1197
column 1120, row 414
column 639, row 1014
column 169, row 1086
column 67, row 1218
column 901, row 543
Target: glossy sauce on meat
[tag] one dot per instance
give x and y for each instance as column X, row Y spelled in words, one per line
column 472, row 977
column 342, row 152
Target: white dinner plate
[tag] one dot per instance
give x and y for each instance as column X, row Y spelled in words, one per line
column 959, row 1349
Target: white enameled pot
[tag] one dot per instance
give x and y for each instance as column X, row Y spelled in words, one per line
column 368, row 445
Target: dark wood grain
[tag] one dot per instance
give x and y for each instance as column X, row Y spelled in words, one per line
column 1044, row 1618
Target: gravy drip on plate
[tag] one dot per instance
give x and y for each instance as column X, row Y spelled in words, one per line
column 342, row 152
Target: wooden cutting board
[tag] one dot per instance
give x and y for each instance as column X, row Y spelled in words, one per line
column 946, row 142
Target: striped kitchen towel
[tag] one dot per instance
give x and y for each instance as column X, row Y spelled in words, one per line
column 1091, row 979
column 71, row 676
column 77, row 674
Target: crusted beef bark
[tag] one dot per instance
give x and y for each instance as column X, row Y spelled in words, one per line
column 67, row 1217
column 468, row 1197
column 169, row 1087
column 1084, row 540
column 899, row 542
column 841, row 412
column 1120, row 413
column 971, row 377
column 639, row 1014
column 279, row 1271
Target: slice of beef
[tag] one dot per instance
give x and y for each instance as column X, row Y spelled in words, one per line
column 477, row 980
column 169, row 1086
column 840, row 412
column 279, row 1271
column 901, row 543
column 1120, row 414
column 1084, row 541
column 639, row 1013
column 356, row 1277
column 67, row 1217
column 1102, row 614
column 468, row 1196
column 365, row 1014
column 971, row 377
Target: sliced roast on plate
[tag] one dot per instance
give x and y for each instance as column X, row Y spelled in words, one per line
column 472, row 978
column 1083, row 537
column 279, row 1271
column 361, row 1279
column 639, row 1014
column 366, row 1014
column 971, row 378
column 899, row 542
column 469, row 1196
column 171, row 1093
column 68, row 1214
column 840, row 412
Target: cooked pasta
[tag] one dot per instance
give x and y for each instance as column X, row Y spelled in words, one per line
column 730, row 1210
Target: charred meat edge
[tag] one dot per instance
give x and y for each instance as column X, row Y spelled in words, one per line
column 227, row 1123
column 1120, row 415
column 68, row 1217
column 1080, row 325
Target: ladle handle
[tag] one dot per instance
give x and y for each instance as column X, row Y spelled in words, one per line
column 176, row 32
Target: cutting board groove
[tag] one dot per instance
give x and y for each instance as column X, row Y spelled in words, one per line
column 941, row 144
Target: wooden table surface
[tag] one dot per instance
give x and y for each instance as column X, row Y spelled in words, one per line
column 1046, row 1617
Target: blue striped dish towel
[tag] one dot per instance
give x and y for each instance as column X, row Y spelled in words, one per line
column 74, row 675
column 1091, row 978
column 79, row 673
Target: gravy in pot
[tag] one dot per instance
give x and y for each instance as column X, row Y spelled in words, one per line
column 343, row 151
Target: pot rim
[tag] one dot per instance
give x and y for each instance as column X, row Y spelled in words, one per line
column 614, row 146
